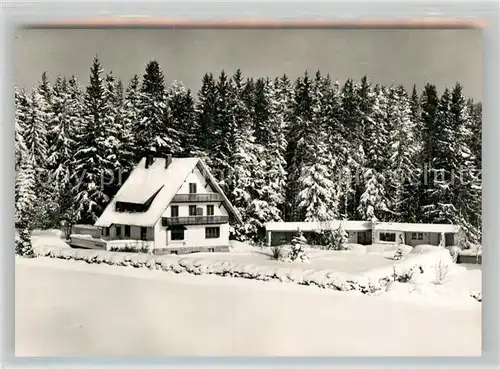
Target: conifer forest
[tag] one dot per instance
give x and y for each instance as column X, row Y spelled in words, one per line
column 309, row 149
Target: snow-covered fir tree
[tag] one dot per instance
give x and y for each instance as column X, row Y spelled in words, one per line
column 301, row 133
column 130, row 115
column 242, row 158
column 154, row 134
column 181, row 105
column 318, row 194
column 91, row 164
column 222, row 130
column 205, row 115
column 427, row 124
column 26, row 193
column 21, row 104
column 404, row 150
column 269, row 176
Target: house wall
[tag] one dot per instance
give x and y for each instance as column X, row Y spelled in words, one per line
column 398, row 234
column 194, row 235
column 135, row 233
column 426, row 239
column 219, row 208
column 201, row 183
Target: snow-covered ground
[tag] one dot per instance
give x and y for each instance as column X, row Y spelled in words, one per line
column 68, row 308
column 50, row 237
column 345, row 262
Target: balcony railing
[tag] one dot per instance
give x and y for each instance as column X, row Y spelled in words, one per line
column 219, row 219
column 197, row 197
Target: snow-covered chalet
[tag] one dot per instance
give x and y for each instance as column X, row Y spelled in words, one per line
column 168, row 205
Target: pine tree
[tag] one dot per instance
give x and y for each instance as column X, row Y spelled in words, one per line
column 465, row 184
column 427, row 125
column 404, row 150
column 301, row 132
column 183, row 115
column 131, row 115
column 242, row 158
column 440, row 192
column 21, row 114
column 91, row 164
column 318, row 194
column 153, row 132
column 26, row 194
column 205, row 116
column 223, row 130
column 298, row 248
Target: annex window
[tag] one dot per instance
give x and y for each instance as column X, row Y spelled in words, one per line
column 387, row 237
column 192, row 210
column 118, row 231
column 212, row 232
column 210, row 210
column 127, row 231
column 174, row 211
column 144, row 233
column 177, row 233
column 417, row 236
column 192, row 188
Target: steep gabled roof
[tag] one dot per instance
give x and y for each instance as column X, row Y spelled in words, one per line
column 143, row 183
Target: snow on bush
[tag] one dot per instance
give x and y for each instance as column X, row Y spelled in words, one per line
column 298, row 248
column 370, row 282
column 356, row 248
column 424, row 249
column 454, row 252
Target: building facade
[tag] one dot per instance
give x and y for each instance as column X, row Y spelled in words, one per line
column 167, row 205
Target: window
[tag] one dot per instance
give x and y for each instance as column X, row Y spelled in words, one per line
column 387, row 237
column 118, row 231
column 210, row 210
column 177, row 233
column 174, row 211
column 199, row 211
column 192, row 188
column 192, row 210
column 144, row 233
column 127, row 231
column 212, row 232
column 417, row 236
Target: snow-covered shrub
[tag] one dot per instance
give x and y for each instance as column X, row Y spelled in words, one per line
column 143, row 249
column 441, row 269
column 298, row 248
column 356, row 248
column 334, row 239
column 278, row 253
column 398, row 255
column 454, row 252
column 424, row 249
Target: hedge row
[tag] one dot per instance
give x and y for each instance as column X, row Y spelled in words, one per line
column 371, row 282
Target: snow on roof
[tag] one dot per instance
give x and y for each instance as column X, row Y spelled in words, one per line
column 417, row 227
column 347, row 225
column 149, row 181
column 144, row 182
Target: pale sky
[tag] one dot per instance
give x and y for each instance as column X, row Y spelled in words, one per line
column 399, row 56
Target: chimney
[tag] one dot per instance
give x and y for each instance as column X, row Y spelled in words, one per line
column 168, row 161
column 149, row 161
